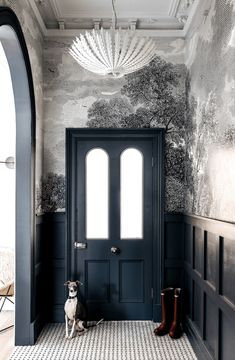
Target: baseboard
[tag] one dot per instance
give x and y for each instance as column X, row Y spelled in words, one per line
column 196, row 341
column 157, row 312
column 36, row 327
column 57, row 314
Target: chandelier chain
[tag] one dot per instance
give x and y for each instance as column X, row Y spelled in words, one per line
column 114, row 15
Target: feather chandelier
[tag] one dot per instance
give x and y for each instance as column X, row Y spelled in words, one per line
column 112, row 52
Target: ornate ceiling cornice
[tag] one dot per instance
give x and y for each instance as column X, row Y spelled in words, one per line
column 53, row 24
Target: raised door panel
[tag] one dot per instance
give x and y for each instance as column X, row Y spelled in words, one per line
column 131, row 281
column 97, row 275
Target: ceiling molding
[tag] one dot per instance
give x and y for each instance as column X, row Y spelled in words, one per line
column 194, row 9
column 107, row 14
column 56, row 9
column 142, row 33
column 174, row 7
column 38, row 17
column 59, row 15
column 171, row 33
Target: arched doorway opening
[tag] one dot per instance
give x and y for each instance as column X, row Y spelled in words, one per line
column 14, row 46
column 7, row 197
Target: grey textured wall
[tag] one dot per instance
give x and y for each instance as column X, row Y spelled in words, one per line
column 74, row 97
column 210, row 120
column 200, row 180
column 200, row 152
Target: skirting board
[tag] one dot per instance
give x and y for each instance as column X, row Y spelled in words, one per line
column 157, row 312
column 36, row 327
column 57, row 314
column 196, row 341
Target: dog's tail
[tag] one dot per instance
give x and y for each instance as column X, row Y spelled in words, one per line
column 98, row 323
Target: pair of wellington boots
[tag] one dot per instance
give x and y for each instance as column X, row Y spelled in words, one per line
column 171, row 313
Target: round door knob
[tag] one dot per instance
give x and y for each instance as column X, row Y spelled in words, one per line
column 115, row 250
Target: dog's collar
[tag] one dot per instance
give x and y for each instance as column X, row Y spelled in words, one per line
column 72, row 297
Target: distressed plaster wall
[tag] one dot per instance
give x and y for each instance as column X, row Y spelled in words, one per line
column 74, row 97
column 210, row 120
column 34, row 42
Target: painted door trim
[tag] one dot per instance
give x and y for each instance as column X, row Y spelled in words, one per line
column 25, row 189
column 157, row 136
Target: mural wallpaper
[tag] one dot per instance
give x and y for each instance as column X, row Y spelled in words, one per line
column 151, row 97
column 200, row 122
column 51, row 196
column 199, row 117
column 210, row 118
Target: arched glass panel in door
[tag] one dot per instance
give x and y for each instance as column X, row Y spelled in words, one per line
column 97, row 184
column 131, row 194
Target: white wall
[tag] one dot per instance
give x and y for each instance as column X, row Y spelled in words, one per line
column 7, row 148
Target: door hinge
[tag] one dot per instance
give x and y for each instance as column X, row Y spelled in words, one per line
column 152, row 161
column 152, row 293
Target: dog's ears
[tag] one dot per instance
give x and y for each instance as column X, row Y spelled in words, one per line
column 78, row 283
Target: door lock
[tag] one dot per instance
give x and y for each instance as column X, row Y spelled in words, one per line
column 80, row 245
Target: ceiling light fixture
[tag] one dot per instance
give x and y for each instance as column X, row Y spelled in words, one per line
column 112, row 52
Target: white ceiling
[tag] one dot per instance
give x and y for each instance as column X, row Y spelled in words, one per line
column 160, row 17
column 103, row 8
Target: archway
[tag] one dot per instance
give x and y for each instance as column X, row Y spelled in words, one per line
column 14, row 46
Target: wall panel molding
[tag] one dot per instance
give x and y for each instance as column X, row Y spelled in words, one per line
column 56, row 264
column 211, row 299
column 173, row 250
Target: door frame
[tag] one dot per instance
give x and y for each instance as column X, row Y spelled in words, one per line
column 157, row 135
column 22, row 83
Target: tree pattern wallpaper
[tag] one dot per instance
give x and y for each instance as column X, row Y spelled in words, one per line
column 189, row 89
column 210, row 114
column 151, row 97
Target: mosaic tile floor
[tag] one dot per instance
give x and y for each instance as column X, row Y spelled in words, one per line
column 114, row 340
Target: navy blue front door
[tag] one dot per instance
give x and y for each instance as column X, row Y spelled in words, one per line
column 112, row 247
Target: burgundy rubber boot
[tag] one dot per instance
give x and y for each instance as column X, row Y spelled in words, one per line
column 167, row 297
column 176, row 330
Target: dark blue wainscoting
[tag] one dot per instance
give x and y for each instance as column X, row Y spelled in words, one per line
column 54, row 233
column 199, row 255
column 209, row 275
column 173, row 252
